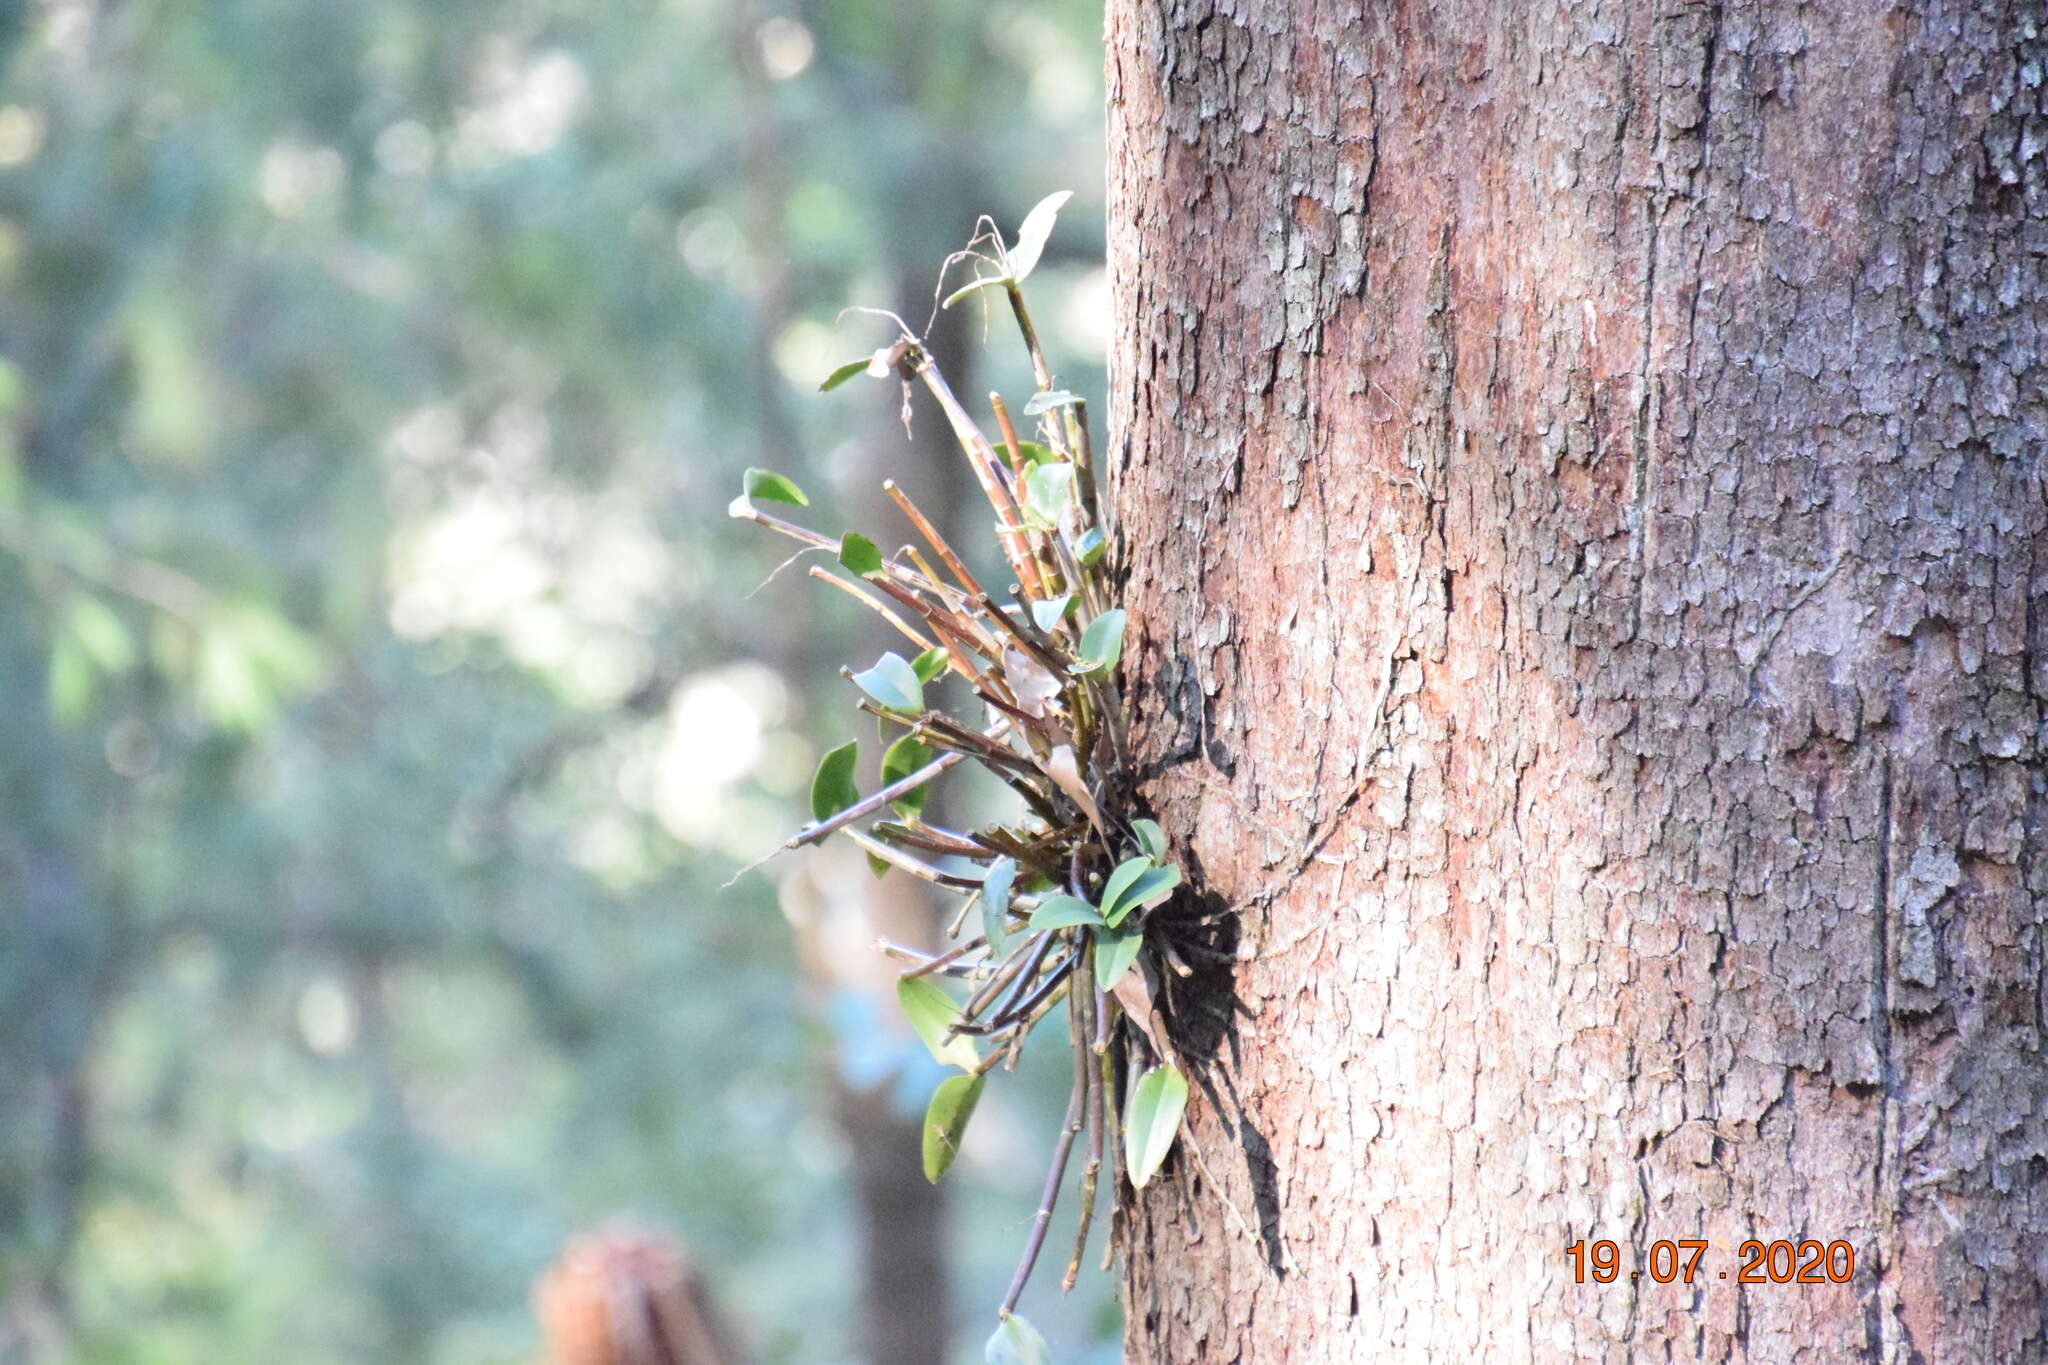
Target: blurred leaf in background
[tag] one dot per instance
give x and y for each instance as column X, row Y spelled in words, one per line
column 384, row 697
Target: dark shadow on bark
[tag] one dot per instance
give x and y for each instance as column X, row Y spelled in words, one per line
column 1202, row 1010
column 1187, row 719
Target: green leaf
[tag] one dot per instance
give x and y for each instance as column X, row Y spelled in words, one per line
column 1031, row 234
column 945, row 1122
column 1115, row 951
column 774, row 488
column 100, row 633
column 981, row 282
column 1150, row 838
column 1089, row 548
column 1045, row 400
column 931, row 664
column 899, row 761
column 859, row 555
column 1035, row 453
column 878, row 866
column 832, row 789
column 893, row 683
column 932, row 1012
column 995, row 903
column 1049, row 614
column 71, row 681
column 1152, row 883
column 1016, row 1342
column 1047, row 489
column 1127, row 871
column 1059, row 912
column 247, row 658
column 1102, row 644
column 1153, row 1120
column 842, row 374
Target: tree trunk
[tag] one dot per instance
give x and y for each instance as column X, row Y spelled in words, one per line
column 1583, row 503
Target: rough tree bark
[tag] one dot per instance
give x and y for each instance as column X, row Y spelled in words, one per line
column 1583, row 492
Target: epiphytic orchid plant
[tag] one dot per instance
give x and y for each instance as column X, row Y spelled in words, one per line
column 1065, row 887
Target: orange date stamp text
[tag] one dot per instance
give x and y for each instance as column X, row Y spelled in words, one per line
column 1681, row 1262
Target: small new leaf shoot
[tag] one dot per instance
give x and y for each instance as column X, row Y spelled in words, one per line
column 1119, row 882
column 1031, row 235
column 1152, row 885
column 1045, row 400
column 842, row 374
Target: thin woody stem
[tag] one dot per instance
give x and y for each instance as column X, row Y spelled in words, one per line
column 995, row 984
column 916, row 867
column 1026, row 636
column 943, row 959
column 880, row 608
column 967, row 971
column 868, row 805
column 1069, row 1129
column 1036, row 959
column 788, row 528
column 1084, row 462
column 1040, row 371
column 1111, row 706
column 981, row 456
column 1054, row 979
column 932, row 536
column 931, row 840
column 1009, row 431
column 955, row 735
column 939, row 619
column 1024, row 560
column 1083, row 1023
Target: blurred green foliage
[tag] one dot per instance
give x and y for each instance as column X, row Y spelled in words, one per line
column 384, row 698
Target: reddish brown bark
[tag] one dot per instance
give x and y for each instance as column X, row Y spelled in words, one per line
column 1583, row 493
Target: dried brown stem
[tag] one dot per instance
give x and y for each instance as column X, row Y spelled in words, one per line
column 880, row 608
column 932, row 537
column 916, row 867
